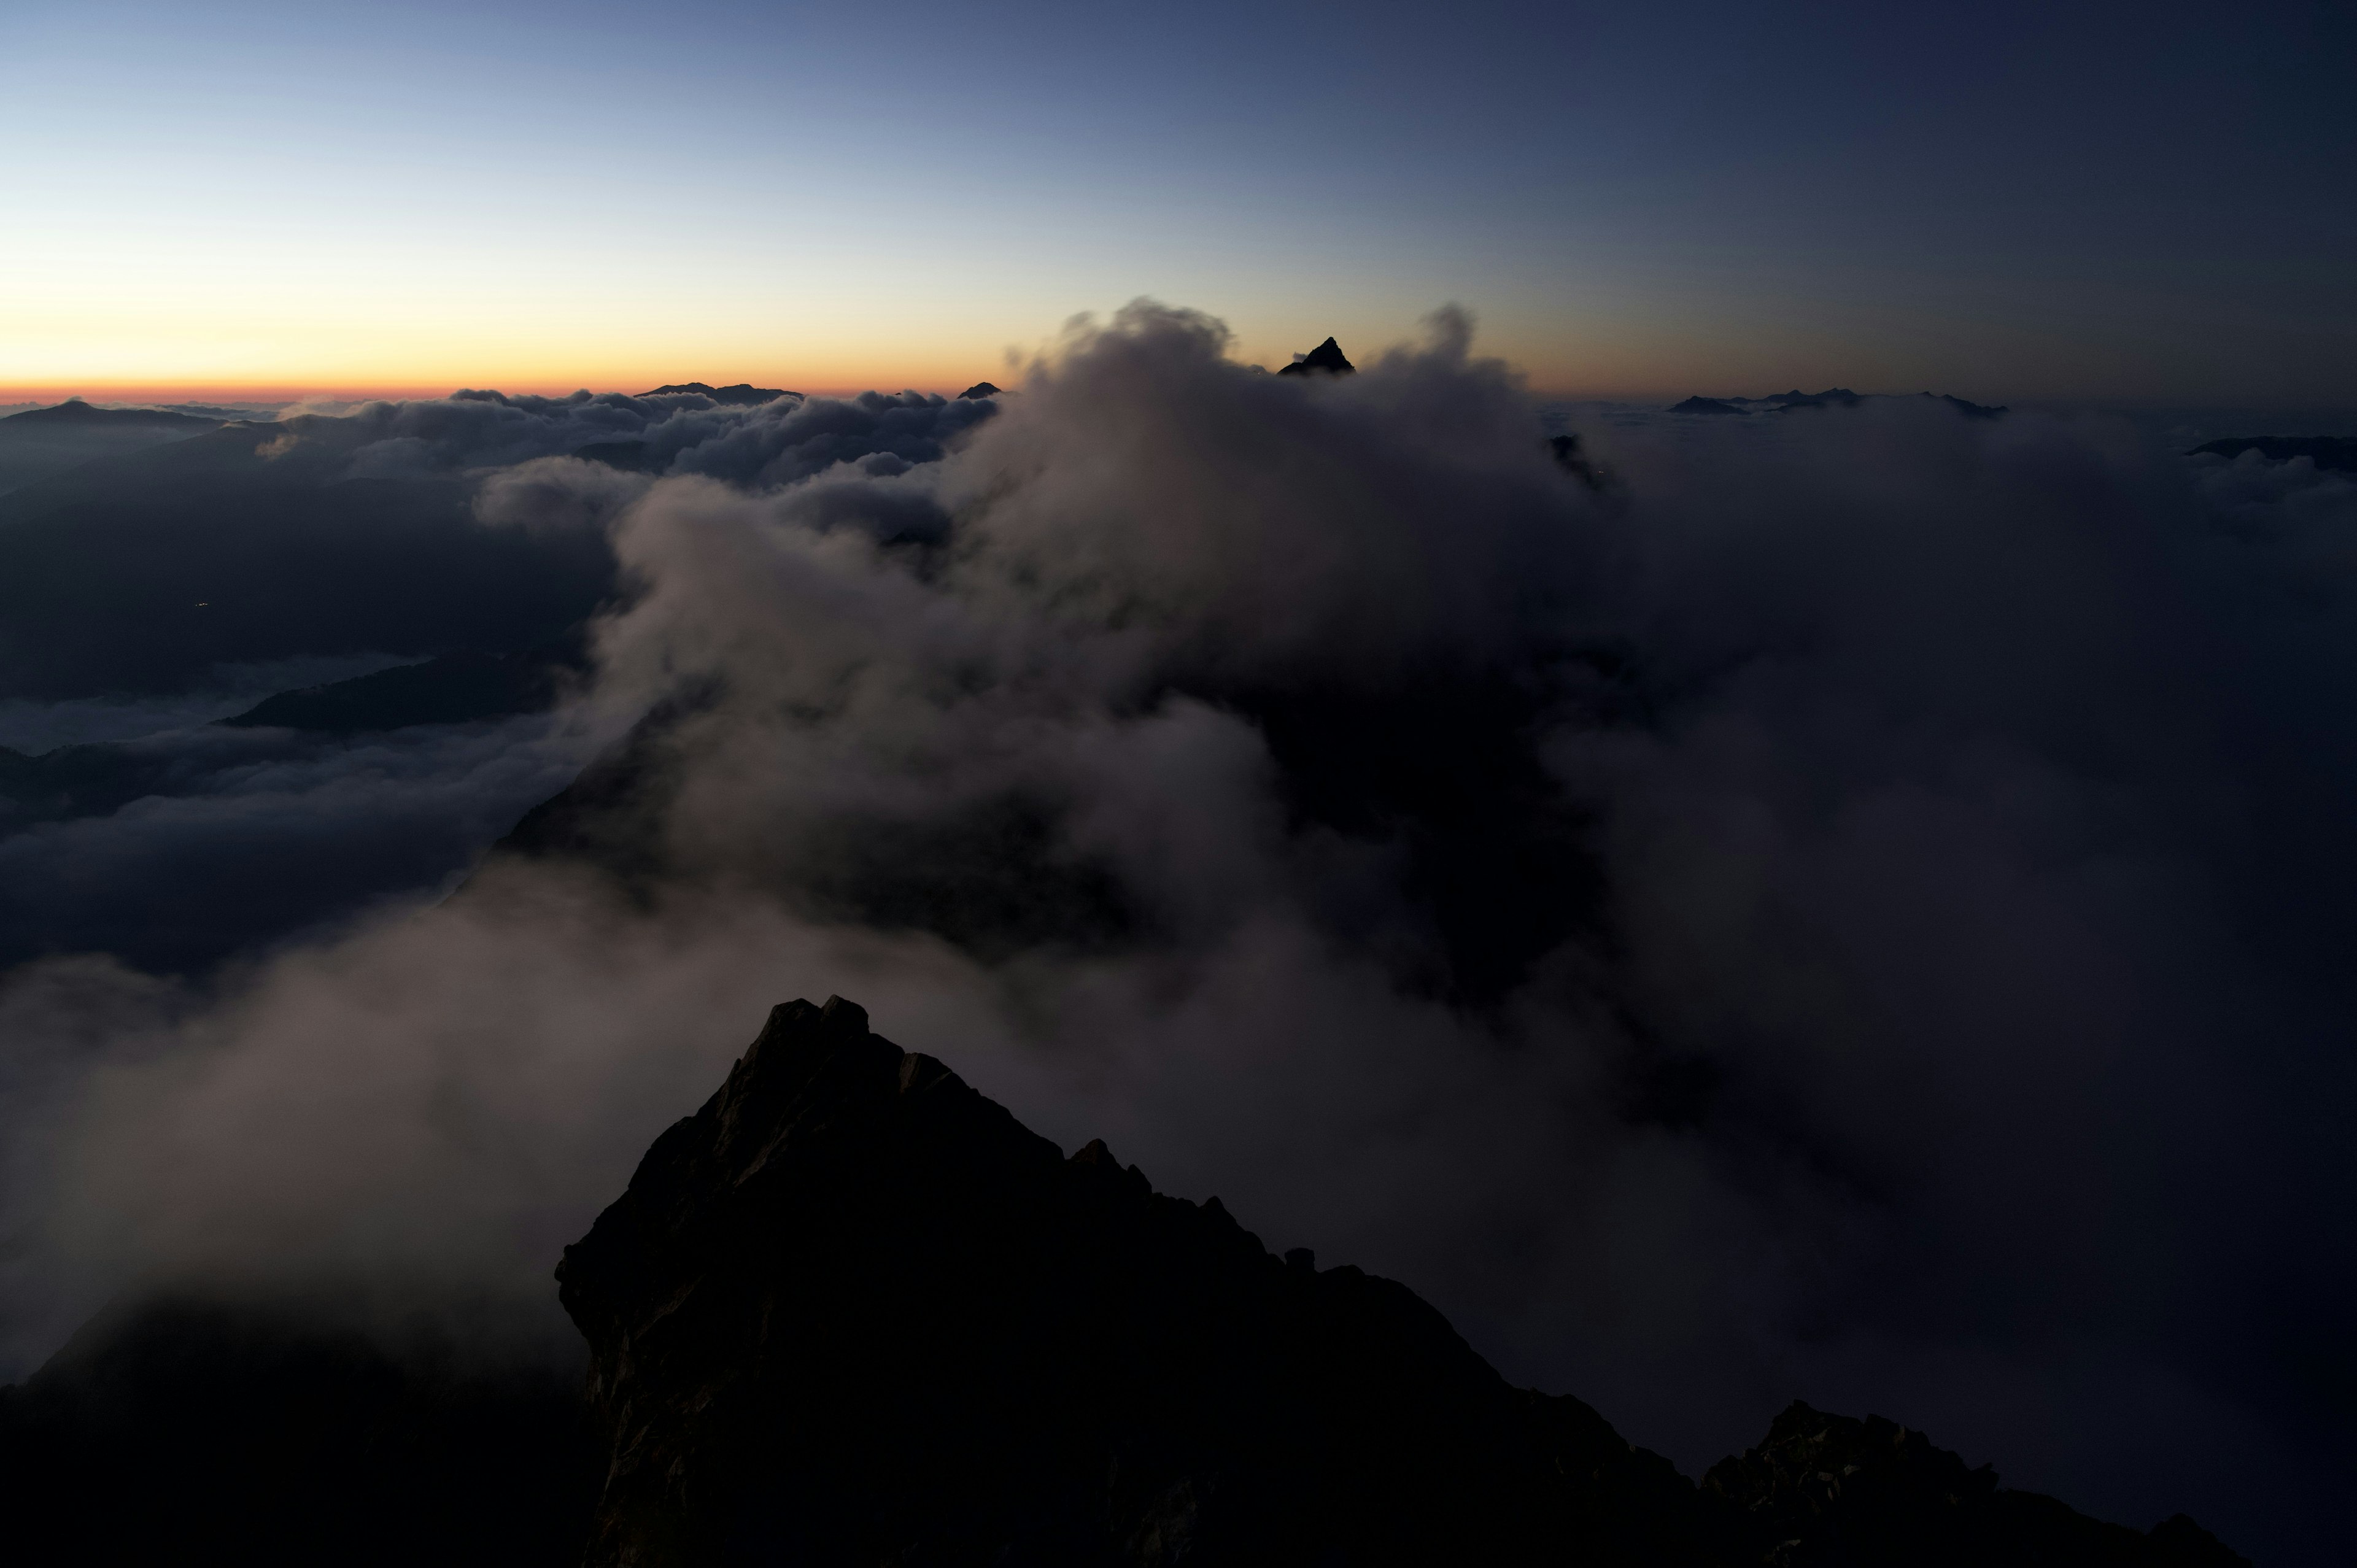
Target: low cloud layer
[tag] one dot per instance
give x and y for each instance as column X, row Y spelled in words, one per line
column 166, row 570
column 787, row 439
column 235, row 840
column 1851, row 915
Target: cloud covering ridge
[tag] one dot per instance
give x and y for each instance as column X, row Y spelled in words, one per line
column 1855, row 913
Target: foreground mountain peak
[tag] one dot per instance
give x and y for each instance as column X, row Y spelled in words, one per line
column 853, row 1312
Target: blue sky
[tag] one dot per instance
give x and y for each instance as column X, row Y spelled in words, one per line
column 2007, row 202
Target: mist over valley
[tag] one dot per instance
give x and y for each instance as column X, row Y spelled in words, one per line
column 1841, row 903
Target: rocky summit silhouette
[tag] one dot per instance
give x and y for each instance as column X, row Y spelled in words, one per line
column 1327, row 358
column 852, row 1312
column 980, row 390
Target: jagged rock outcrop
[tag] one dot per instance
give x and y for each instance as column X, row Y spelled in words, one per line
column 852, row 1312
column 1827, row 1491
column 1325, row 359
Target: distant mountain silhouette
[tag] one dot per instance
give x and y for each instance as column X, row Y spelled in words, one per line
column 740, row 395
column 76, row 413
column 1971, row 410
column 1832, row 397
column 42, row 443
column 2337, row 453
column 455, row 688
column 225, row 412
column 1327, row 357
column 980, row 389
column 98, row 776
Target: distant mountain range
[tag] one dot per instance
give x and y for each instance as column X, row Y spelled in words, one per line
column 1832, row 397
column 76, row 414
column 742, row 394
column 40, row 442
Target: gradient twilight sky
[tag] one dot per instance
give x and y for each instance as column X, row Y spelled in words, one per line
column 2005, row 201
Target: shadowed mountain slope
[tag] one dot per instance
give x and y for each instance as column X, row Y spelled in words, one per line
column 852, row 1312
column 1827, row 1491
column 188, row 1432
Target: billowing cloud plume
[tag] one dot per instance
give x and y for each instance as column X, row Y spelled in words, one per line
column 1852, row 913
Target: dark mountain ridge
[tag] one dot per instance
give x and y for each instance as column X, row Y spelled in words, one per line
column 187, row 1430
column 41, row 443
column 76, row 413
column 1832, row 397
column 852, row 1313
column 742, row 394
column 461, row 687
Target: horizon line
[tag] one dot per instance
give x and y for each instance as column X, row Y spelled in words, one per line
column 280, row 393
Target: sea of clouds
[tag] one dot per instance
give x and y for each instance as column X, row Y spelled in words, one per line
column 1852, row 910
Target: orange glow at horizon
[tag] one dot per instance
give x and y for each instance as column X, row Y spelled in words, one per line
column 218, row 392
